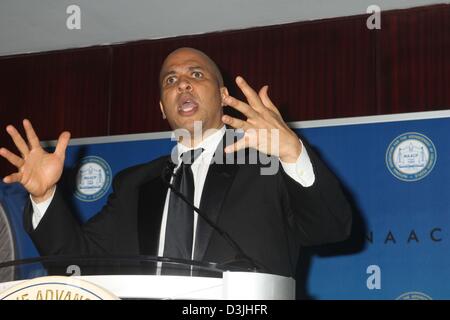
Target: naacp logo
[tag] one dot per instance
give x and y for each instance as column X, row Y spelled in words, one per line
column 414, row 296
column 56, row 288
column 411, row 156
column 93, row 178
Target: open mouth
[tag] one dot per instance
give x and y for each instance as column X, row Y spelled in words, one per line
column 187, row 106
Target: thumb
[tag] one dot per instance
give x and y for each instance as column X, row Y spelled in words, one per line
column 62, row 143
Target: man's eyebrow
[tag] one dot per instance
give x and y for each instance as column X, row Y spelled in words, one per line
column 191, row 68
column 196, row 68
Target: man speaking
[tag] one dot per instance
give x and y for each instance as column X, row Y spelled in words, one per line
column 268, row 216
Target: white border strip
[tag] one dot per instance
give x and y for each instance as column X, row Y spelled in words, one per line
column 370, row 119
column 115, row 138
column 295, row 125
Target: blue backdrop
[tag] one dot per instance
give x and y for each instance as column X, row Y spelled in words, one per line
column 396, row 173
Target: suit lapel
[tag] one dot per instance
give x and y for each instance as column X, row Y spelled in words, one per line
column 152, row 196
column 215, row 189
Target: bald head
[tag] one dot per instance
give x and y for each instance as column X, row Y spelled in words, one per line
column 186, row 51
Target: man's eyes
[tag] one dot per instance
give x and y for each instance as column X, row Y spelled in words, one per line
column 171, row 80
column 195, row 74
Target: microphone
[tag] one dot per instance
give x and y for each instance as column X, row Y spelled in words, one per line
column 166, row 174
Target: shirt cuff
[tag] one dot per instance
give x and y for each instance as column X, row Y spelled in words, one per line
column 302, row 170
column 39, row 209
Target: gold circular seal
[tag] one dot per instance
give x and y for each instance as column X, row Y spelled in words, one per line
column 56, row 288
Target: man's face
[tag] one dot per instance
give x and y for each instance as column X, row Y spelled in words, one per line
column 190, row 91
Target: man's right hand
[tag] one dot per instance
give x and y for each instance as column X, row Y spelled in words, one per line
column 38, row 171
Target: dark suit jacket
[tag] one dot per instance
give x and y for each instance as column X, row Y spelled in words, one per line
column 269, row 216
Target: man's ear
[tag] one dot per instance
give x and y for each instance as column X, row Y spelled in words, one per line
column 223, row 94
column 162, row 110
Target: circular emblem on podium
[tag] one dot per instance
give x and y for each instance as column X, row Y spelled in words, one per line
column 411, row 156
column 93, row 178
column 56, row 288
column 414, row 296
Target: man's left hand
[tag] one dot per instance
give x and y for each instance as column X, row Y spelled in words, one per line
column 261, row 114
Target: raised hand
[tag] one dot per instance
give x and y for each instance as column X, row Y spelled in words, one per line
column 38, row 171
column 261, row 114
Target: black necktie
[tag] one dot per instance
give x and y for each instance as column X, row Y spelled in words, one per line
column 180, row 217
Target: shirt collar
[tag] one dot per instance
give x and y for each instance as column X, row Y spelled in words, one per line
column 209, row 144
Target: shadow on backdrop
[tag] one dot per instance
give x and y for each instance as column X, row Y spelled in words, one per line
column 354, row 244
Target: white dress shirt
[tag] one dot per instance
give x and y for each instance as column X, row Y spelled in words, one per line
column 301, row 171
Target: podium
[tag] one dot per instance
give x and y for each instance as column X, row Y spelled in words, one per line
column 145, row 277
